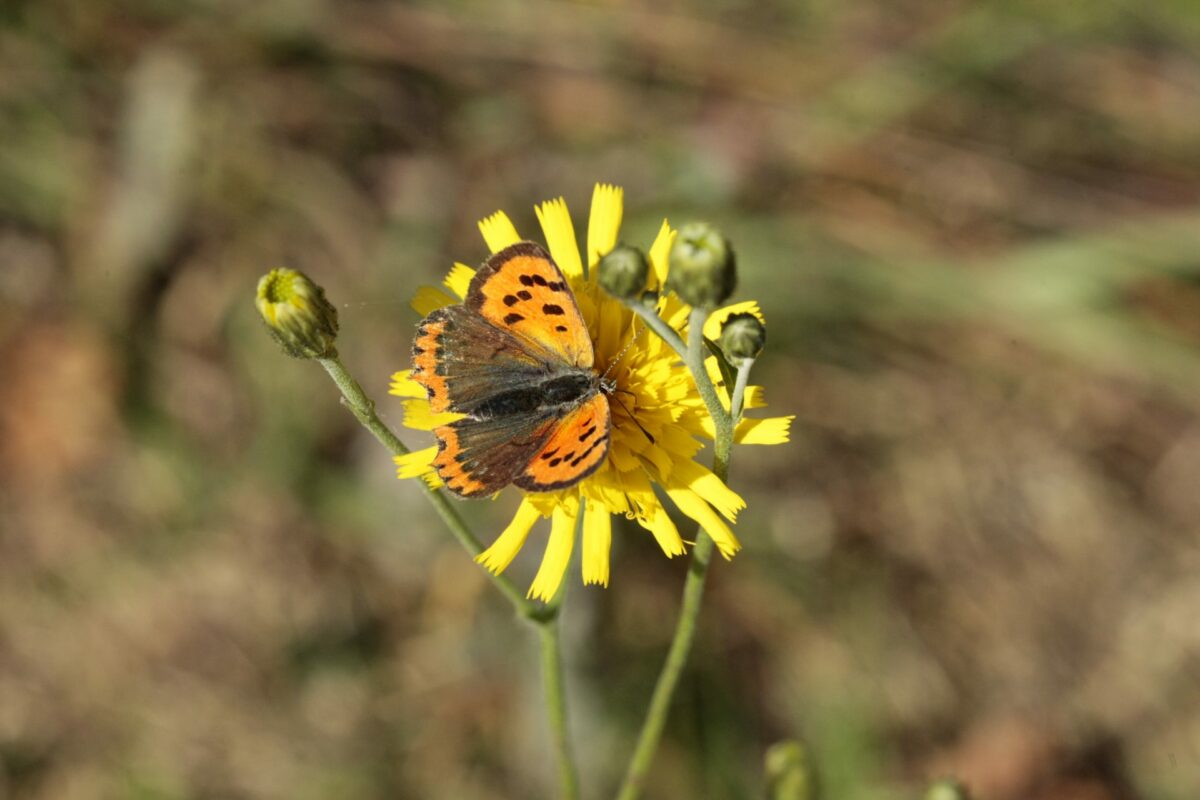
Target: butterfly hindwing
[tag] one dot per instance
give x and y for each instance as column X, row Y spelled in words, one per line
column 480, row 457
column 574, row 448
column 462, row 360
column 520, row 289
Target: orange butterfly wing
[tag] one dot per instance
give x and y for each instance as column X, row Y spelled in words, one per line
column 576, row 448
column 521, row 290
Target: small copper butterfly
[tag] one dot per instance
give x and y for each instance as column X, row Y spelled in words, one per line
column 516, row 358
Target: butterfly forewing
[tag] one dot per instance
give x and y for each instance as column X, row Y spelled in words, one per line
column 520, row 289
column 463, row 361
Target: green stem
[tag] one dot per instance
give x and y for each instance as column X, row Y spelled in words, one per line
column 556, row 705
column 363, row 409
column 545, row 617
column 693, row 588
column 737, row 399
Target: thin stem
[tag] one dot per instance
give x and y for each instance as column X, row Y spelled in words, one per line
column 545, row 617
column 693, row 588
column 363, row 409
column 556, row 700
column 737, row 399
column 556, row 708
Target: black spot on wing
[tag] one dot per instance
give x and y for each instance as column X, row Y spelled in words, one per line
column 512, row 319
column 575, row 462
column 524, row 295
column 549, row 454
column 583, row 436
column 510, row 300
column 553, row 310
column 560, row 328
column 538, row 279
column 526, row 280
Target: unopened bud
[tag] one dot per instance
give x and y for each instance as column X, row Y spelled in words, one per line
column 297, row 314
column 947, row 789
column 703, row 269
column 742, row 336
column 623, row 271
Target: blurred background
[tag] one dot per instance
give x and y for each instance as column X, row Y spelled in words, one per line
column 974, row 228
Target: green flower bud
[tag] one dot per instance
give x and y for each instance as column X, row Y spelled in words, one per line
column 789, row 772
column 742, row 337
column 703, row 268
column 623, row 271
column 947, row 789
column 297, row 314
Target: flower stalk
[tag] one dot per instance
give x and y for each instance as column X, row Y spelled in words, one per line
column 544, row 617
column 693, row 588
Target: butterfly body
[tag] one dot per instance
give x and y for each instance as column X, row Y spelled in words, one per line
column 516, row 359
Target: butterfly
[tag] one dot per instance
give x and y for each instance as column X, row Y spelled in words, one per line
column 515, row 357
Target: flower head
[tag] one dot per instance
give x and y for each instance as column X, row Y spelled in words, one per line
column 659, row 421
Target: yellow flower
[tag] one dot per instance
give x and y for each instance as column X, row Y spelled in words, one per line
column 652, row 386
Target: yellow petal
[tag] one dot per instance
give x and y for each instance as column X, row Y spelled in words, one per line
column 660, row 253
column 416, row 463
column 772, row 430
column 433, row 479
column 497, row 557
column 459, row 280
column 675, row 312
column 694, row 506
column 558, row 551
column 560, row 236
column 712, row 325
column 498, row 231
column 652, row 516
column 754, row 397
column 418, row 416
column 604, row 221
column 658, row 522
column 704, row 483
column 404, row 386
column 597, row 541
column 428, row 298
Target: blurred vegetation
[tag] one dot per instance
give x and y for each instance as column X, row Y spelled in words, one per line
column 974, row 228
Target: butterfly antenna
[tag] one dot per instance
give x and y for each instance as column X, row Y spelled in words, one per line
column 613, row 395
column 621, row 354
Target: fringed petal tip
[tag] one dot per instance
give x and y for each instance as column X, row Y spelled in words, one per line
column 770, row 430
column 502, row 551
column 459, row 279
column 498, row 231
column 558, row 552
column 403, row 385
column 604, row 221
column 415, row 464
column 597, row 542
column 556, row 225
